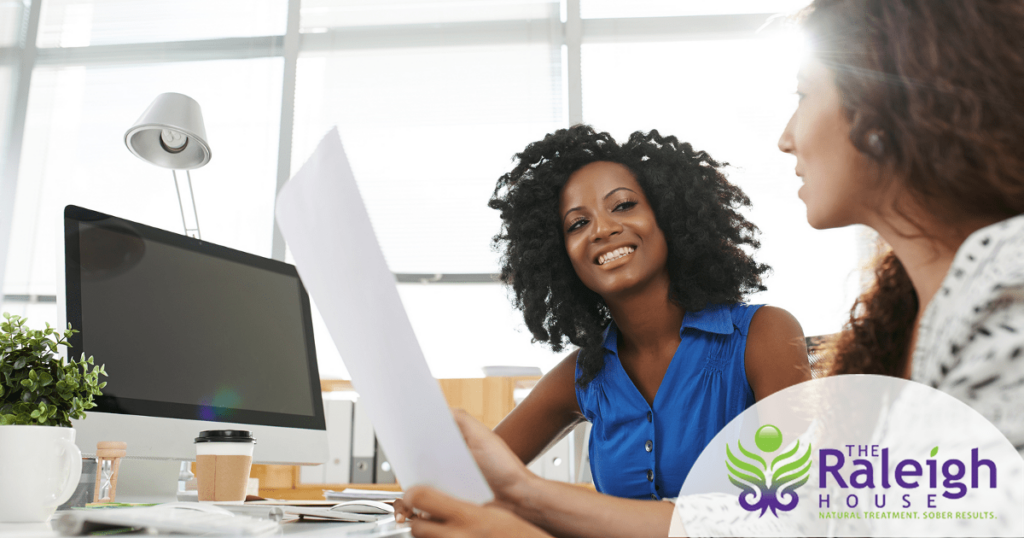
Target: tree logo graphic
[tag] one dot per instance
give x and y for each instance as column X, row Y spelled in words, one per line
column 787, row 472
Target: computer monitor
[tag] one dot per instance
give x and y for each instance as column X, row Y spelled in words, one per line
column 194, row 336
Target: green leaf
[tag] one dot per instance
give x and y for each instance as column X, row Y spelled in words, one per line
column 37, row 386
column 781, row 475
column 935, row 451
column 752, row 456
column 741, row 466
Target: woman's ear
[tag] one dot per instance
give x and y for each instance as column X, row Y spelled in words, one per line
column 876, row 143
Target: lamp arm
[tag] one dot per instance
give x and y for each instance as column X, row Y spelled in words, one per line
column 195, row 211
column 181, row 204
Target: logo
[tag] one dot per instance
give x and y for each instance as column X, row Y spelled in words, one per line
column 768, row 486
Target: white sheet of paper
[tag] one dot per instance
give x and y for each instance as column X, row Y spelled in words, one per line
column 326, row 226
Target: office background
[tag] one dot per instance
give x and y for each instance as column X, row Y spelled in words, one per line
column 432, row 99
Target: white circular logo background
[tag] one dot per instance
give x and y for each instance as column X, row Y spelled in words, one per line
column 855, row 455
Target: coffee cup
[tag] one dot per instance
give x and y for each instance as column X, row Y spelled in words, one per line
column 223, row 462
column 39, row 470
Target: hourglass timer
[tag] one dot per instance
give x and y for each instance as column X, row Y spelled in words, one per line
column 108, row 460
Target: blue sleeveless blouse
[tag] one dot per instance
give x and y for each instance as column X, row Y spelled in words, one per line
column 645, row 452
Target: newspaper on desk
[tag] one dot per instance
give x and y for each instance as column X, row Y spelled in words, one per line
column 325, row 224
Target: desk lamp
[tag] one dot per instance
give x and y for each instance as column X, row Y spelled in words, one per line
column 171, row 134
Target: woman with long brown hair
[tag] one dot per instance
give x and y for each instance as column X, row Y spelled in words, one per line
column 911, row 121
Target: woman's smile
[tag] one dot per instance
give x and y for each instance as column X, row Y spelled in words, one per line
column 621, row 253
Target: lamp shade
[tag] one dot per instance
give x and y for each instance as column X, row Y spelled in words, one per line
column 170, row 133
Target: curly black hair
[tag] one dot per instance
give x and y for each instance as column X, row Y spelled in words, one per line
column 694, row 206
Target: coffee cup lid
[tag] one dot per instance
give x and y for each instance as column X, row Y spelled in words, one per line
column 225, row 436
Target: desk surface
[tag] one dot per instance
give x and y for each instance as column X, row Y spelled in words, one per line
column 305, row 529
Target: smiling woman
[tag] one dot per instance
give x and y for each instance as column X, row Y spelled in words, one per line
column 608, row 203
column 637, row 254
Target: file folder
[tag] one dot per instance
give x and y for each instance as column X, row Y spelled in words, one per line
column 337, row 468
column 363, row 446
column 383, row 473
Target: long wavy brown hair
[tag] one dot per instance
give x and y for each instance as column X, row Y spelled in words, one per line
column 942, row 84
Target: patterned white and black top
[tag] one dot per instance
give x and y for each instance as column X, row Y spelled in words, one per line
column 970, row 345
column 971, row 339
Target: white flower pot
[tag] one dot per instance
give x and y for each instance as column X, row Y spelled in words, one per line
column 39, row 470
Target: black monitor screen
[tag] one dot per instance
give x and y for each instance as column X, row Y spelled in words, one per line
column 188, row 329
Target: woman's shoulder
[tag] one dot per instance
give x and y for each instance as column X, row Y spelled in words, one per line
column 776, row 351
column 988, row 261
column 762, row 313
column 971, row 339
column 739, row 319
column 748, row 317
column 772, row 327
column 978, row 312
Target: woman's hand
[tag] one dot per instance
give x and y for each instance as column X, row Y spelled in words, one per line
column 562, row 509
column 505, row 474
column 502, row 469
column 445, row 516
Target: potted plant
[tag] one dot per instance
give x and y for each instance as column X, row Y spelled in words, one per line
column 39, row 395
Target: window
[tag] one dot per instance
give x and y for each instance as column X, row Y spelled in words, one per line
column 430, row 118
column 83, row 23
column 10, row 22
column 74, row 153
column 607, row 9
column 432, row 100
column 323, row 15
column 732, row 98
column 6, row 82
column 460, row 327
column 428, row 132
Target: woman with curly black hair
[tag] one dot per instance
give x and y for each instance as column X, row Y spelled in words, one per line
column 637, row 255
column 634, row 253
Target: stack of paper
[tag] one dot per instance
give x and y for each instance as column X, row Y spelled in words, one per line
column 353, row 494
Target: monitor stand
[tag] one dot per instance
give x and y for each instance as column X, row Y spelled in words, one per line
column 147, row 481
